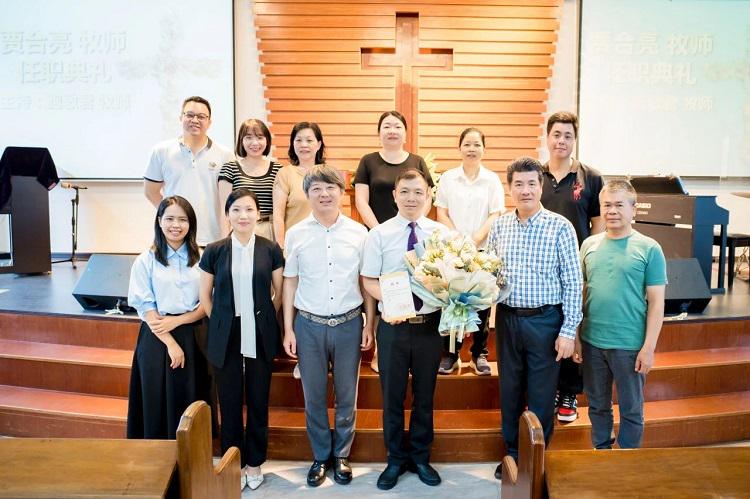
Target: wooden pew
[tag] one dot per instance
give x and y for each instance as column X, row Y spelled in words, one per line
column 526, row 479
column 669, row 472
column 198, row 477
column 82, row 467
column 676, row 472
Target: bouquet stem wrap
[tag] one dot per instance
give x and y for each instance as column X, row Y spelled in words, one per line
column 450, row 273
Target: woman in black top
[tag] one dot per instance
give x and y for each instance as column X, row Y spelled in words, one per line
column 377, row 171
column 376, row 175
column 241, row 292
column 252, row 170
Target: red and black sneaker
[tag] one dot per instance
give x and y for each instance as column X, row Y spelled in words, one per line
column 568, row 410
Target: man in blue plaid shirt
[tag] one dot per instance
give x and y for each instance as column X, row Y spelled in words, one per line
column 536, row 325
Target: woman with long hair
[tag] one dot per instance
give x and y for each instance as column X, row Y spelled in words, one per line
column 164, row 285
column 290, row 206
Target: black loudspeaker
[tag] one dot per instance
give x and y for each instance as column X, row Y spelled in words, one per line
column 687, row 290
column 104, row 283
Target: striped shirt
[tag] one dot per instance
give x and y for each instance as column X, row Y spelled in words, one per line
column 541, row 263
column 262, row 186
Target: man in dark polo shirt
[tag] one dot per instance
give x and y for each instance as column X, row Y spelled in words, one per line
column 570, row 189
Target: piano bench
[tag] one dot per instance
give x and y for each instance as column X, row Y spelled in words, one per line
column 734, row 240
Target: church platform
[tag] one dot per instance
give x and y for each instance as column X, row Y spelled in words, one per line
column 64, row 371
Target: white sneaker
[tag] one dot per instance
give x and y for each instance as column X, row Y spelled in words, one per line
column 254, row 481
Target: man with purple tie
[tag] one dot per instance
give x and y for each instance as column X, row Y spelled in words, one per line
column 413, row 345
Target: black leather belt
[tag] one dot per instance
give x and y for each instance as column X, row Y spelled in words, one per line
column 526, row 312
column 421, row 319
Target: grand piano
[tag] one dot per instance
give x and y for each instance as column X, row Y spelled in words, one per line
column 682, row 224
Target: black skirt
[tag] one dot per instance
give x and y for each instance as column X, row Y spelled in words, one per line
column 159, row 394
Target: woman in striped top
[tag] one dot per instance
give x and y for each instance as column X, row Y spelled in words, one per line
column 252, row 170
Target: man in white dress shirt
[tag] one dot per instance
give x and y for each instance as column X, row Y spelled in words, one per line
column 189, row 166
column 413, row 345
column 322, row 284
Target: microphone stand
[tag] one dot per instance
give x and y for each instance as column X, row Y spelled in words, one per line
column 74, row 226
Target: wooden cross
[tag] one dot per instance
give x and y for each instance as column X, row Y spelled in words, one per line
column 407, row 58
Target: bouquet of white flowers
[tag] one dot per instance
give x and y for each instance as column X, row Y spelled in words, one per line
column 449, row 272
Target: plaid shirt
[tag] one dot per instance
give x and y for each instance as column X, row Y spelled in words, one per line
column 541, row 263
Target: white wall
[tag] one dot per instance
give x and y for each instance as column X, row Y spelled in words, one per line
column 563, row 95
column 563, row 92
column 115, row 217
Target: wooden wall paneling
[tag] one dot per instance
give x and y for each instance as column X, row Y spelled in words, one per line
column 496, row 118
column 327, row 105
column 484, row 83
column 300, row 21
column 309, row 69
column 500, row 55
column 544, row 3
column 424, row 8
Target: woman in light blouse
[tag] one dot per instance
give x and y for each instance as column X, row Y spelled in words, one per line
column 240, row 290
column 164, row 284
column 469, row 198
column 290, row 206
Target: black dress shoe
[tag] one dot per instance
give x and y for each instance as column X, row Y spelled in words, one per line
column 317, row 473
column 499, row 471
column 388, row 478
column 342, row 472
column 426, row 473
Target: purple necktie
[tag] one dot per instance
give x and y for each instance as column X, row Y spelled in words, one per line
column 409, row 247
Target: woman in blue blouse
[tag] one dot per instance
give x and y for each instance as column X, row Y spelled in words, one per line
column 164, row 286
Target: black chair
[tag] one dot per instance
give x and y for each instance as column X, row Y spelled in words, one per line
column 734, row 240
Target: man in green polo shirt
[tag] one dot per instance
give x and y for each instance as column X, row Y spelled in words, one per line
column 625, row 277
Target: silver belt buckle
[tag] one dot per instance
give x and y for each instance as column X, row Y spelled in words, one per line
column 332, row 322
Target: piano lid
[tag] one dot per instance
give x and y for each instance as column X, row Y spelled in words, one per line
column 674, row 209
column 658, row 185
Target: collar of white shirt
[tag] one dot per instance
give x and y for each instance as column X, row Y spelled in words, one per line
column 237, row 244
column 481, row 175
column 208, row 145
column 310, row 219
column 422, row 223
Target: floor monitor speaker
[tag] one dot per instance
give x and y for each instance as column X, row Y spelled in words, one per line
column 104, row 283
column 687, row 290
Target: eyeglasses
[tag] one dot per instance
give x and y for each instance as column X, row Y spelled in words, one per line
column 191, row 116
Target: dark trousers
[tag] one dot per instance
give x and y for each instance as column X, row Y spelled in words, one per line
column 204, row 375
column 254, row 385
column 403, row 348
column 479, row 340
column 528, row 369
column 570, row 381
